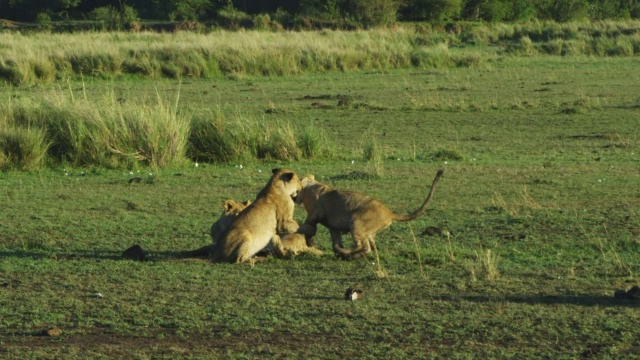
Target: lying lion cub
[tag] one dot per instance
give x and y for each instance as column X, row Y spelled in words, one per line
column 230, row 211
column 344, row 211
column 259, row 224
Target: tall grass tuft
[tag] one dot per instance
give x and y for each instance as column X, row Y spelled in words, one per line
column 486, row 266
column 314, row 143
column 110, row 133
column 103, row 133
column 226, row 135
column 373, row 153
column 22, row 148
column 215, row 137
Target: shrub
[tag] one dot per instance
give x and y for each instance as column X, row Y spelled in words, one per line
column 44, row 21
column 438, row 10
column 106, row 18
column 234, row 19
column 370, row 13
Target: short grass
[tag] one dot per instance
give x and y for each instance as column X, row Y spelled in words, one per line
column 540, row 199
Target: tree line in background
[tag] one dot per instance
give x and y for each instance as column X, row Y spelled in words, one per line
column 117, row 14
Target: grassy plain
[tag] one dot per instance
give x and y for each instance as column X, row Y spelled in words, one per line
column 541, row 196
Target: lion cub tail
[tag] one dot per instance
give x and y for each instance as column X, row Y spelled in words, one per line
column 425, row 204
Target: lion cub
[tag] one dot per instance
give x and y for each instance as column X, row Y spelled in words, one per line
column 230, row 211
column 259, row 224
column 344, row 211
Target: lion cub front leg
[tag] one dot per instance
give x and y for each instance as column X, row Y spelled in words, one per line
column 308, row 230
column 289, row 226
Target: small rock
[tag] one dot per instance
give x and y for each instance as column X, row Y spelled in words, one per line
column 634, row 293
column 134, row 253
column 352, row 294
column 135, row 180
column 435, row 231
column 11, row 284
column 620, row 294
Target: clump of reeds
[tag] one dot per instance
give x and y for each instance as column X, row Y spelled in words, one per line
column 115, row 133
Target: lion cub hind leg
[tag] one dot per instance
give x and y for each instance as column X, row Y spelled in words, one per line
column 362, row 247
column 246, row 253
column 336, row 239
column 276, row 242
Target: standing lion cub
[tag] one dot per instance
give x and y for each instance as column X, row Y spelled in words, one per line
column 259, row 224
column 350, row 212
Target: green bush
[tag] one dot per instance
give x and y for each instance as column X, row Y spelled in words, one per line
column 106, row 18
column 44, row 21
column 234, row 19
column 370, row 13
column 436, row 10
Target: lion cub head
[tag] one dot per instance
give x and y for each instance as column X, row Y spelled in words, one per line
column 309, row 183
column 283, row 180
column 233, row 208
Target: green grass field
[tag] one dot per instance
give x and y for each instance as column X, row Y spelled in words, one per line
column 541, row 196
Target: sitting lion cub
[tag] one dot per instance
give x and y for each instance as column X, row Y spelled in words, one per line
column 344, row 211
column 259, row 224
column 230, row 211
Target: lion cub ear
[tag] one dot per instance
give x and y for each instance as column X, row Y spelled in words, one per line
column 228, row 205
column 275, row 170
column 286, row 177
column 247, row 203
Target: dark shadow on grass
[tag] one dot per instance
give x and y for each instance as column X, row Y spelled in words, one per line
column 580, row 300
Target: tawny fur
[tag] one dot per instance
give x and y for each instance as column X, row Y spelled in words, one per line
column 260, row 223
column 350, row 212
column 230, row 211
column 296, row 244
